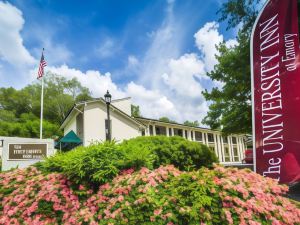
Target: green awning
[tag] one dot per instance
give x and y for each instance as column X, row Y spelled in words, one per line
column 69, row 141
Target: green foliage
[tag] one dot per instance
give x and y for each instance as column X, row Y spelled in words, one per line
column 194, row 200
column 46, row 208
column 191, row 123
column 99, row 163
column 20, row 109
column 95, row 164
column 162, row 196
column 240, row 11
column 176, row 150
column 166, row 119
column 231, row 104
column 135, row 111
column 28, row 125
column 136, row 155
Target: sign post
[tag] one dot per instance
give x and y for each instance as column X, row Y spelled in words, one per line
column 275, row 60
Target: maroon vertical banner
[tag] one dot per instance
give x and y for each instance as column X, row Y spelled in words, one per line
column 276, row 91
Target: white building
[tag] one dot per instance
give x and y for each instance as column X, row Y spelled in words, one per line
column 88, row 121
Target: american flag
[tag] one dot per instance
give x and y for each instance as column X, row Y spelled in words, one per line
column 41, row 67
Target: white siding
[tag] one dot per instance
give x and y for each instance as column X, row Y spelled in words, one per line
column 123, row 104
column 123, row 128
column 94, row 124
column 71, row 125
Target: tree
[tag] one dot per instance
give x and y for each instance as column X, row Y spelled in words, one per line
column 135, row 111
column 166, row 119
column 20, row 109
column 230, row 108
column 238, row 12
column 191, row 123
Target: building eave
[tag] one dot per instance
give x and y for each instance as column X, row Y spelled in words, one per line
column 66, row 119
column 148, row 120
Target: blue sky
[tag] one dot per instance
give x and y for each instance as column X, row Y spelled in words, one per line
column 157, row 52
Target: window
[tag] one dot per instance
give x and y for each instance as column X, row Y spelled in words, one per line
column 210, row 137
column 212, row 148
column 227, row 156
column 235, row 155
column 198, row 136
column 192, row 135
column 178, row 132
column 186, row 134
column 159, row 130
column 143, row 132
column 151, row 130
column 233, row 140
column 225, row 139
column 170, row 132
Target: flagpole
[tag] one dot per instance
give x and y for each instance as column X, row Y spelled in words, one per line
column 42, row 108
column 41, row 75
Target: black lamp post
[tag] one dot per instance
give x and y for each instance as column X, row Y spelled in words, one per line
column 107, row 98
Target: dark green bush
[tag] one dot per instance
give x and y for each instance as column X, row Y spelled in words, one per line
column 176, row 150
column 95, row 164
column 100, row 163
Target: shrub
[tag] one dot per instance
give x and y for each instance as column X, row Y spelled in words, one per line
column 94, row 165
column 100, row 162
column 168, row 196
column 36, row 198
column 161, row 196
column 176, row 150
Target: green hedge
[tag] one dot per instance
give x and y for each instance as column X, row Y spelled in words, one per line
column 183, row 154
column 95, row 164
column 99, row 163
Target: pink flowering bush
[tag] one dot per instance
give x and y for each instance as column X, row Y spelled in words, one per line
column 169, row 196
column 161, row 196
column 28, row 197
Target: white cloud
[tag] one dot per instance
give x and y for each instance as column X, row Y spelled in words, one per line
column 107, row 48
column 132, row 61
column 231, row 43
column 56, row 53
column 206, row 40
column 165, row 45
column 186, row 68
column 169, row 82
column 152, row 103
column 97, row 82
column 12, row 49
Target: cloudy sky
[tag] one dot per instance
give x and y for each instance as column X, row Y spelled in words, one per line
column 157, row 52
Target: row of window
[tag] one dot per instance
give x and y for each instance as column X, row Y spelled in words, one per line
column 160, row 130
column 227, row 154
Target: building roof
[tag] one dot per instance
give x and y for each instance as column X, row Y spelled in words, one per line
column 138, row 120
column 120, row 99
column 79, row 105
column 172, row 123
